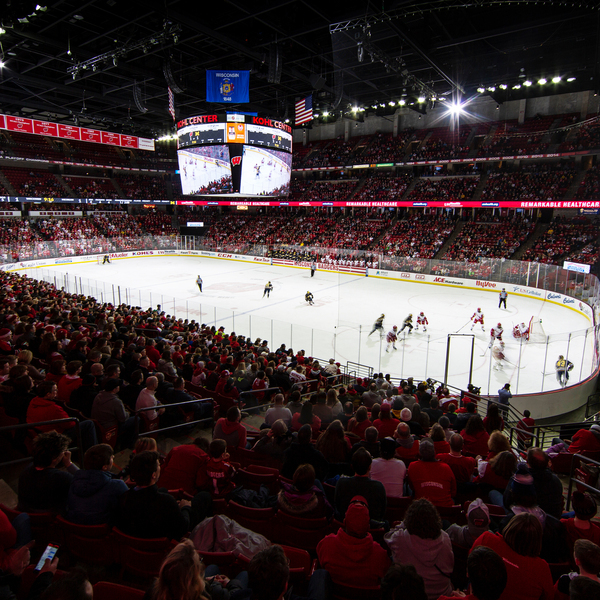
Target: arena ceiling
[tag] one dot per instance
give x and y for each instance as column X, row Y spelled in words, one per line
column 107, row 63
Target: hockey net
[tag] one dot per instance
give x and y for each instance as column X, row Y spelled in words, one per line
column 536, row 334
column 99, row 259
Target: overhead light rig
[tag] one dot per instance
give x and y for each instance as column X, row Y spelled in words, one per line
column 169, row 34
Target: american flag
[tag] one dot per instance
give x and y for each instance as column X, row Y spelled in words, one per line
column 171, row 103
column 304, row 112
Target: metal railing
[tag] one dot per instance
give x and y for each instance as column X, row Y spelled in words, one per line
column 33, row 426
column 575, row 465
column 168, row 406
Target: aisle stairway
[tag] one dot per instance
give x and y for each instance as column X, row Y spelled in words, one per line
column 538, row 232
column 457, row 229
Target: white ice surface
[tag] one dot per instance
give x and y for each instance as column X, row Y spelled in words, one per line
column 338, row 324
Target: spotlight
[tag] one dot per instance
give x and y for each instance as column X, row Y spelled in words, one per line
column 497, row 107
column 492, row 88
column 325, row 113
column 2, row 30
column 527, row 83
column 2, row 63
column 556, row 79
column 402, row 102
column 542, row 81
column 382, row 106
column 502, row 86
column 455, row 109
column 355, row 109
column 374, row 106
column 516, row 87
column 571, row 79
column 481, row 90
column 287, row 120
column 421, row 99
column 392, row 103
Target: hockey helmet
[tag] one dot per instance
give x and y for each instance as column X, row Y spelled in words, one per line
column 478, row 310
column 410, row 314
column 382, row 315
column 560, row 357
column 395, row 327
column 421, row 314
column 499, row 325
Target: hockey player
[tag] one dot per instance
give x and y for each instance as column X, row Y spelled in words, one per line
column 106, row 259
column 503, row 297
column 407, row 323
column 391, row 338
column 477, row 318
column 520, row 330
column 199, row 282
column 268, row 289
column 498, row 356
column 378, row 325
column 563, row 366
column 309, row 298
column 496, row 335
column 421, row 320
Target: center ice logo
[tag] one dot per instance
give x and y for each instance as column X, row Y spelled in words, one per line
column 236, row 160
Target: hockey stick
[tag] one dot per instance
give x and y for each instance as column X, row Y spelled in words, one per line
column 463, row 326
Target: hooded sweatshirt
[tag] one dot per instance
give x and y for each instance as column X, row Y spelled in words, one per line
column 93, row 497
column 353, row 561
column 232, row 432
column 41, row 409
column 108, row 409
column 433, row 559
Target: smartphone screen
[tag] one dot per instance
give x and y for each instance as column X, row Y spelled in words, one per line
column 49, row 552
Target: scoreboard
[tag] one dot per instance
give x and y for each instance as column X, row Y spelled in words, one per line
column 234, row 155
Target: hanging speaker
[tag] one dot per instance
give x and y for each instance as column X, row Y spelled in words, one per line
column 317, row 81
column 275, row 65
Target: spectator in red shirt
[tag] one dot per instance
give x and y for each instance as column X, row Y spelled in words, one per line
column 359, row 423
column 462, row 466
column 475, row 437
column 408, row 446
column 185, row 467
column 386, row 424
column 431, row 479
column 580, row 526
column 306, row 417
column 230, row 429
column 525, row 424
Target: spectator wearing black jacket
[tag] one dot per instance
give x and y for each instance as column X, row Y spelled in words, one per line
column 303, row 452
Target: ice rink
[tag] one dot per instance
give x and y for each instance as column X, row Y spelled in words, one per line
column 338, row 324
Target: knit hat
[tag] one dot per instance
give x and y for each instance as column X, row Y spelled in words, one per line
column 584, row 505
column 478, row 518
column 595, row 428
column 225, row 374
column 405, row 414
column 356, row 521
column 5, row 332
column 522, row 481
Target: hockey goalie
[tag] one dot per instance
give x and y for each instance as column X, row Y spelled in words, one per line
column 521, row 331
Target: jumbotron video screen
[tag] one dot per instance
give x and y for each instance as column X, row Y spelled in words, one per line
column 234, row 155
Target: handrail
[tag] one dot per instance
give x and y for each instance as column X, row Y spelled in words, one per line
column 589, row 487
column 258, row 406
column 171, row 427
column 79, row 445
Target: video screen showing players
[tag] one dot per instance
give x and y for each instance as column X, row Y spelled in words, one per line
column 265, row 172
column 205, row 170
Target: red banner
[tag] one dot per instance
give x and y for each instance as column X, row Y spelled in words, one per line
column 129, row 141
column 19, row 124
column 69, row 132
column 90, row 135
column 45, row 128
column 114, row 139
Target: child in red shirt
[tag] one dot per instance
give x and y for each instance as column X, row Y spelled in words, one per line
column 218, row 471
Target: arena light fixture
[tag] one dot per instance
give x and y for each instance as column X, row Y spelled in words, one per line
column 325, row 113
column 516, row 87
column 355, row 109
column 492, row 88
column 481, row 90
column 556, row 79
column 421, row 99
column 456, row 108
column 502, row 86
column 402, row 102
column 571, row 79
column 543, row 81
column 527, row 83
column 392, row 103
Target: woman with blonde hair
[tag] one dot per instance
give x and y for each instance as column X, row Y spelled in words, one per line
column 181, row 575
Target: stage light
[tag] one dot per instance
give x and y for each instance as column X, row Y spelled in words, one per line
column 421, row 99
column 455, row 109
column 556, row 79
column 392, row 103
column 492, row 88
column 402, row 102
column 481, row 90
column 2, row 30
column 516, row 87
column 570, row 79
column 2, row 63
column 503, row 86
column 355, row 109
column 542, row 81
column 527, row 83
column 325, row 113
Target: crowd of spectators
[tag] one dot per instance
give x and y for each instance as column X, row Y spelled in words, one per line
column 448, row 189
column 563, row 236
column 91, row 187
column 377, row 443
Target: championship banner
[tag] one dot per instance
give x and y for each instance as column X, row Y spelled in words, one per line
column 230, row 87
